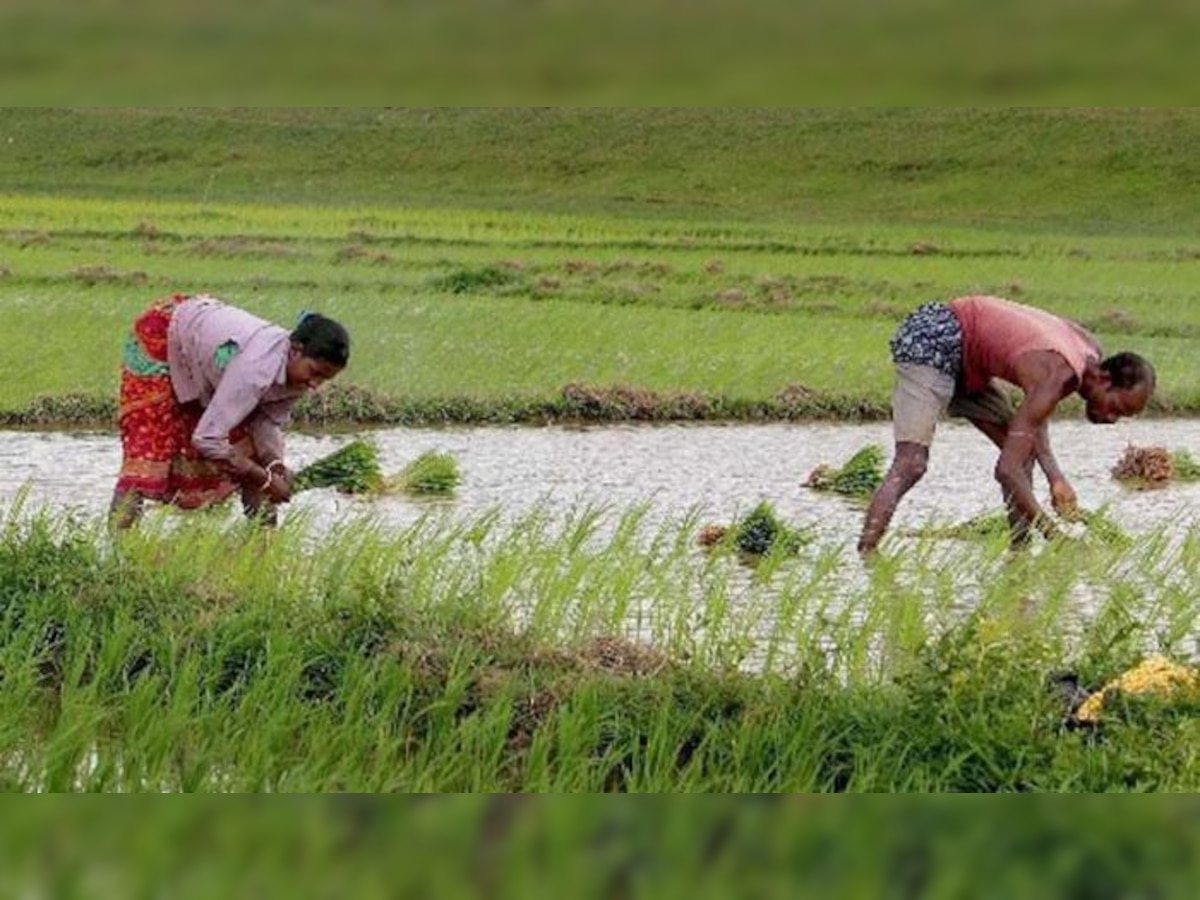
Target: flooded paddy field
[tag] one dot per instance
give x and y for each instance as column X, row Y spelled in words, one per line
column 716, row 472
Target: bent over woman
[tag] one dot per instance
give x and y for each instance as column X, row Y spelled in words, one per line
column 206, row 389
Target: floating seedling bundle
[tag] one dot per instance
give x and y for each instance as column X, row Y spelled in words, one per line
column 355, row 469
column 1152, row 467
column 985, row 527
column 861, row 474
column 760, row 532
column 429, row 473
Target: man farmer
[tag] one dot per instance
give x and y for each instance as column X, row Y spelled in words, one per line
column 948, row 356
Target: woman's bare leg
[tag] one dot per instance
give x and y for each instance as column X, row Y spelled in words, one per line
column 125, row 509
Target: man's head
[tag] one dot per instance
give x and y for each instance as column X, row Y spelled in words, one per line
column 1121, row 385
column 320, row 350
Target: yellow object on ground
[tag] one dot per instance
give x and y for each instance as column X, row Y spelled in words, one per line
column 1154, row 675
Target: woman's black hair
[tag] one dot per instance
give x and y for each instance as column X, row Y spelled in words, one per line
column 320, row 337
column 1128, row 370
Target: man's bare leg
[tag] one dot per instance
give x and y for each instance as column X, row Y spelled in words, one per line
column 908, row 467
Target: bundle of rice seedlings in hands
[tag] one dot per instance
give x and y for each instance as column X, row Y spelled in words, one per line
column 429, row 473
column 352, row 469
column 858, row 477
column 1144, row 467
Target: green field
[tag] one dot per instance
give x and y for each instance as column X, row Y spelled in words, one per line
column 486, row 259
column 536, row 264
column 592, row 652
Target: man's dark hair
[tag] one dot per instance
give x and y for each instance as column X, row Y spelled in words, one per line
column 322, row 338
column 1128, row 370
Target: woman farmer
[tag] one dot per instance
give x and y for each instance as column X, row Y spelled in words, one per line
column 206, row 389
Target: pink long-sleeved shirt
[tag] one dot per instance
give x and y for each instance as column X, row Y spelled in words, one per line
column 234, row 365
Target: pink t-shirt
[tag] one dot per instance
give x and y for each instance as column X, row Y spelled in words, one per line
column 997, row 332
column 233, row 364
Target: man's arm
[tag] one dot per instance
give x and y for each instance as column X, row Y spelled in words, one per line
column 1045, row 378
column 1062, row 495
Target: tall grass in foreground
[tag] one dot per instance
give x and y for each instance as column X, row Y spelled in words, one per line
column 592, row 651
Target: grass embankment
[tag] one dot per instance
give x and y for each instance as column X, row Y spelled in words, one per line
column 590, row 653
column 713, row 264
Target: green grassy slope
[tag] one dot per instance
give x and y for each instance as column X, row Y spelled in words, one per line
column 1118, row 171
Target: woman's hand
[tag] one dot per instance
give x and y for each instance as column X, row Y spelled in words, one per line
column 279, row 486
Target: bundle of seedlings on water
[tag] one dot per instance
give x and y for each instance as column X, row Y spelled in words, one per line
column 352, row 469
column 1144, row 467
column 760, row 532
column 861, row 474
column 983, row 527
column 429, row 473
column 988, row 526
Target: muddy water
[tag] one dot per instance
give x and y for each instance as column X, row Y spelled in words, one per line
column 720, row 470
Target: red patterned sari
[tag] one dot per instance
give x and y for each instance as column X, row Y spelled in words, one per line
column 158, row 459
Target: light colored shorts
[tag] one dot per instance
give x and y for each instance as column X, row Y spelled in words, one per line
column 922, row 395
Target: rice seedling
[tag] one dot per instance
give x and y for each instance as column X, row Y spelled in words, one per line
column 1098, row 525
column 1185, row 466
column 596, row 652
column 1144, row 467
column 858, row 477
column 430, row 473
column 758, row 533
column 351, row 469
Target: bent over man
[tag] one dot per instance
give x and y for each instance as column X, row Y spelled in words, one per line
column 948, row 357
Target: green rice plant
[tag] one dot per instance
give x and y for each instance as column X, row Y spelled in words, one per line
column 351, row 469
column 587, row 652
column 432, row 472
column 992, row 526
column 1102, row 528
column 1186, row 466
column 984, row 527
column 858, row 477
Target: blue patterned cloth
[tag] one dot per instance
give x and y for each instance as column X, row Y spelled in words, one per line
column 930, row 336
